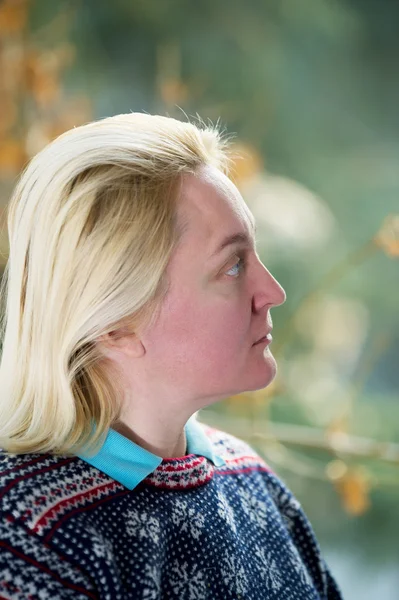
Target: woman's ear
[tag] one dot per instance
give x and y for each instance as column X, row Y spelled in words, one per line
column 121, row 342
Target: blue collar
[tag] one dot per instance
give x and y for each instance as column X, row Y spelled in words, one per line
column 129, row 463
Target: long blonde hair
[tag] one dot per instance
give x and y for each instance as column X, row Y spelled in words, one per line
column 92, row 225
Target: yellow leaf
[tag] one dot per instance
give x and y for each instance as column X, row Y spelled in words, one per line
column 387, row 238
column 42, row 77
column 12, row 156
column 354, row 488
column 46, row 90
column 8, row 114
column 12, row 69
column 13, row 16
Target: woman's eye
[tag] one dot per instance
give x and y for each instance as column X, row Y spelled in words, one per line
column 237, row 268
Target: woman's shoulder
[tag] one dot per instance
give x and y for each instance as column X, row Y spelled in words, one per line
column 15, row 469
column 26, row 479
column 21, row 470
column 241, row 456
column 36, row 489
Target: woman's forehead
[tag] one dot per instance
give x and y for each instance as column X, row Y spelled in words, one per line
column 211, row 202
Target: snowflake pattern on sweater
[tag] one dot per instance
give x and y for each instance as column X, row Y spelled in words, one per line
column 188, row 531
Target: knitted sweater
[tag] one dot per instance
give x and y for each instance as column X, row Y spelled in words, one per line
column 215, row 524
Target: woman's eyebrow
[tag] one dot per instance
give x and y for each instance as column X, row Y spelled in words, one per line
column 234, row 239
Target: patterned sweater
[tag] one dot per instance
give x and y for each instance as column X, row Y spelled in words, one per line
column 215, row 524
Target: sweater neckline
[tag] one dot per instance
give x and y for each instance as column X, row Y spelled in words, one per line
column 130, row 464
column 182, row 473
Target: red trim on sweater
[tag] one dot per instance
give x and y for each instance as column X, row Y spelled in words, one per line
column 83, row 509
column 52, row 512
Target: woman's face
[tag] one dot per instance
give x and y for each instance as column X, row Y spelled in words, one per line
column 201, row 346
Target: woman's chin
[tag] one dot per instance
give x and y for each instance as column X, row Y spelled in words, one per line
column 266, row 373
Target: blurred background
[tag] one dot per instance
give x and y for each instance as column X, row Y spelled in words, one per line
column 310, row 90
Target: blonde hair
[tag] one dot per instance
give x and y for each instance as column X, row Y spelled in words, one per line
column 92, row 225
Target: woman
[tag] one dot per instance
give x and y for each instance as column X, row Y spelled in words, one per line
column 134, row 297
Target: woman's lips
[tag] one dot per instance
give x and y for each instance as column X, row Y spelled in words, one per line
column 265, row 340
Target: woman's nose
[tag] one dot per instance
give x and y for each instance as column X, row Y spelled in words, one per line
column 268, row 290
